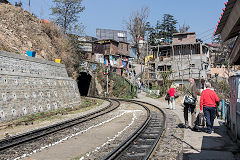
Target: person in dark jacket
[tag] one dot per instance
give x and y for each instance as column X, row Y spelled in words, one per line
column 208, row 103
column 150, row 88
column 191, row 90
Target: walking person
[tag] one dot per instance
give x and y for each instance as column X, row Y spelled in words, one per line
column 139, row 86
column 171, row 93
column 208, row 104
column 190, row 91
column 150, row 88
column 134, row 72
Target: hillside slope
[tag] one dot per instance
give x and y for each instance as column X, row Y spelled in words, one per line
column 20, row 32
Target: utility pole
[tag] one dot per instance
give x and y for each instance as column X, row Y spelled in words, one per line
column 173, row 64
column 141, row 70
column 182, row 64
column 107, row 81
column 148, row 59
column 29, row 6
column 201, row 65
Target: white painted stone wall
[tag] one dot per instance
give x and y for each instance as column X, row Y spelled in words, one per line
column 30, row 85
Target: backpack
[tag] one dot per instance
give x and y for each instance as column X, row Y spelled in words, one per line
column 167, row 97
column 200, row 120
column 189, row 100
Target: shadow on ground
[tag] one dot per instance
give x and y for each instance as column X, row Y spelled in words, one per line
column 217, row 146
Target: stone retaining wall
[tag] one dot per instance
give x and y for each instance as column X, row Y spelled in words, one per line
column 30, row 85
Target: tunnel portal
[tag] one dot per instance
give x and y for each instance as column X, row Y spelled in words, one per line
column 84, row 81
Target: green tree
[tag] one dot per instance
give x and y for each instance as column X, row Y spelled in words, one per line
column 163, row 30
column 166, row 82
column 167, row 27
column 151, row 34
column 66, row 14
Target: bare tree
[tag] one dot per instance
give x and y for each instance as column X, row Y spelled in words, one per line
column 184, row 28
column 136, row 26
column 66, row 14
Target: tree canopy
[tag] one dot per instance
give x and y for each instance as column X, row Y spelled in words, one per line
column 163, row 30
column 66, row 14
column 167, row 27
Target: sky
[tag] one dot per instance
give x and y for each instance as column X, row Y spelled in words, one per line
column 200, row 15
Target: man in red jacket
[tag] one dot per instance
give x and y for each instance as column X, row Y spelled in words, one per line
column 208, row 102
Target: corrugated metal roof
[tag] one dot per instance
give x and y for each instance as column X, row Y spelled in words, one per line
column 224, row 16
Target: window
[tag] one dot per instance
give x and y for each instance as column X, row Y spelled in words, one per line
column 192, row 65
column 160, row 68
column 206, row 67
column 181, row 85
column 121, row 46
column 169, row 68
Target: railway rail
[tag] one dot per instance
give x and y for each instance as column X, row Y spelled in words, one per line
column 142, row 142
column 7, row 145
column 139, row 145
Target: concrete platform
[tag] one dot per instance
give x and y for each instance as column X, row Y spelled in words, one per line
column 201, row 145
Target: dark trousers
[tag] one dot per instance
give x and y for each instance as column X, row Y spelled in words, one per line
column 192, row 109
column 210, row 114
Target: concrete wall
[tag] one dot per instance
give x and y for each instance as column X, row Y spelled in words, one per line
column 183, row 67
column 30, row 85
column 190, row 67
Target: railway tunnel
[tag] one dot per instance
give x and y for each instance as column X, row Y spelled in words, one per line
column 84, row 81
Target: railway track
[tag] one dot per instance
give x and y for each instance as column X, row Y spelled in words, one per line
column 22, row 142
column 139, row 145
column 142, row 142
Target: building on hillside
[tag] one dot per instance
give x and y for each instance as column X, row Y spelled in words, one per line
column 228, row 28
column 116, row 53
column 184, row 59
column 220, row 73
column 86, row 44
column 216, row 57
column 117, row 35
column 184, row 38
column 116, row 49
column 92, row 52
column 109, row 52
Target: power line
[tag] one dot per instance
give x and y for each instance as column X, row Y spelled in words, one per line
column 208, row 38
column 206, row 31
column 206, row 35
